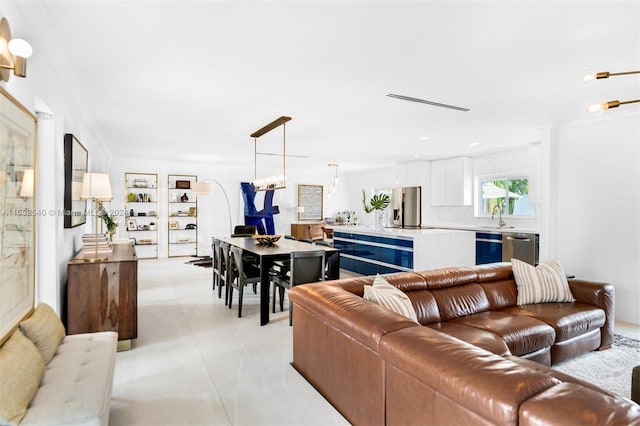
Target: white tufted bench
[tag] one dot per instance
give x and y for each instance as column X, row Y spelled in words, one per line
column 49, row 378
column 77, row 382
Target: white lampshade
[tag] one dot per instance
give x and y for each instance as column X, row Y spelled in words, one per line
column 202, row 188
column 96, row 186
column 26, row 190
column 20, row 47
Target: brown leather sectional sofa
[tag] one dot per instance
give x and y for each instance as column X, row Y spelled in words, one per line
column 468, row 362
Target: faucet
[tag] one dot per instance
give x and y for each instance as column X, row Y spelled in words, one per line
column 499, row 208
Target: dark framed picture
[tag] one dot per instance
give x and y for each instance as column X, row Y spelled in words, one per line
column 76, row 159
column 132, row 225
column 183, row 184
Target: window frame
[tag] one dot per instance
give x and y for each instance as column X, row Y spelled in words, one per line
column 477, row 200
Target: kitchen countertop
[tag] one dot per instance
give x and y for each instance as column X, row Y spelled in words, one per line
column 431, row 229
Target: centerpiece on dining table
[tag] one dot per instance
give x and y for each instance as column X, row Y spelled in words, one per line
column 266, row 240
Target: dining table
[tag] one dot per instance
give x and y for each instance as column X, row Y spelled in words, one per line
column 278, row 251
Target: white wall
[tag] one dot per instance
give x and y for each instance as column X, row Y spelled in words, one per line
column 213, row 216
column 43, row 91
column 599, row 204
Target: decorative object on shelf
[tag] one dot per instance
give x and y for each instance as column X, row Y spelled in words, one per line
column 192, row 211
column 174, row 225
column 333, row 179
column 184, row 198
column 109, row 222
column 132, row 225
column 272, row 182
column 190, row 226
column 183, row 184
column 131, row 197
column 14, row 57
column 151, row 213
column 76, row 159
column 96, row 187
column 140, row 183
column 267, row 240
column 152, row 226
column 205, row 187
column 599, row 108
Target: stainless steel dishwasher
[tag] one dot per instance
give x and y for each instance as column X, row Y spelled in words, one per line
column 516, row 245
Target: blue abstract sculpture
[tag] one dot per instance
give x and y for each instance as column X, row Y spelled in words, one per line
column 252, row 216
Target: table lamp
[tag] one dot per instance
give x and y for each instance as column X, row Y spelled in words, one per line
column 96, row 187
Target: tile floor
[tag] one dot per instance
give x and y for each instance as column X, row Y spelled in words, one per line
column 195, row 363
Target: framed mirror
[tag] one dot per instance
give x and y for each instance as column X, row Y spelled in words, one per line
column 76, row 159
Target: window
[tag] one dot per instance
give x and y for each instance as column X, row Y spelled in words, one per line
column 508, row 193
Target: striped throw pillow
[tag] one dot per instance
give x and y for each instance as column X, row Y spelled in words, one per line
column 387, row 296
column 544, row 283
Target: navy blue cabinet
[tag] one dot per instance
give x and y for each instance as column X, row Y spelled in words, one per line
column 371, row 254
column 488, row 248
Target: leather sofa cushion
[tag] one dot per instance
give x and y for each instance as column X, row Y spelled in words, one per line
column 447, row 277
column 569, row 320
column 460, row 301
column 571, row 404
column 463, row 373
column 521, row 333
column 483, row 339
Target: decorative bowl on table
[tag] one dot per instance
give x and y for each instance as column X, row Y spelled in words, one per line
column 266, row 240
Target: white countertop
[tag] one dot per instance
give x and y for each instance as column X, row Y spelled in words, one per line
column 430, row 230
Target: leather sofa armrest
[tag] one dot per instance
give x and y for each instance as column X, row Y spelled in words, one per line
column 600, row 295
column 362, row 320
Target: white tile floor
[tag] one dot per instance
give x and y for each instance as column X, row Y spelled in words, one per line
column 196, row 363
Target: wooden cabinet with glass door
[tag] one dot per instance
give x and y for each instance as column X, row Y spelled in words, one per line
column 141, row 209
column 183, row 216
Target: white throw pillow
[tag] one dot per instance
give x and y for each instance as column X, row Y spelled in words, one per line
column 387, row 296
column 542, row 284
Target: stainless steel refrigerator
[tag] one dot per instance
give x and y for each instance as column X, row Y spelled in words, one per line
column 407, row 207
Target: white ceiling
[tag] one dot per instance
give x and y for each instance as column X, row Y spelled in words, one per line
column 191, row 80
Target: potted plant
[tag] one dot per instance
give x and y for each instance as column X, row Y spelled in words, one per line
column 379, row 202
column 108, row 220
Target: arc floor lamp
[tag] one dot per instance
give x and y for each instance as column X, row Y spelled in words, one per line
column 205, row 187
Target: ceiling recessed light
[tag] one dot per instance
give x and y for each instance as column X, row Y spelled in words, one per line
column 424, row 138
column 474, row 144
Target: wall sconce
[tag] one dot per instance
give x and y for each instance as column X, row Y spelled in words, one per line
column 334, row 180
column 599, row 108
column 13, row 53
column 272, row 182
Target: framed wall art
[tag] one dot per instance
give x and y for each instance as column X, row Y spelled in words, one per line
column 76, row 160
column 310, row 197
column 18, row 212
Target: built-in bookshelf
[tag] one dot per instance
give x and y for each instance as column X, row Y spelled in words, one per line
column 141, row 212
column 183, row 216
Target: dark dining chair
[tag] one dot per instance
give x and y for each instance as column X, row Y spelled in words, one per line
column 223, row 279
column 215, row 261
column 304, row 267
column 244, row 230
column 241, row 273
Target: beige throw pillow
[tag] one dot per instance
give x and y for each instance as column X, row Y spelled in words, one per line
column 45, row 330
column 387, row 296
column 542, row 284
column 21, row 369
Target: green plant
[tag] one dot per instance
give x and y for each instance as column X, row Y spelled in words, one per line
column 377, row 202
column 106, row 218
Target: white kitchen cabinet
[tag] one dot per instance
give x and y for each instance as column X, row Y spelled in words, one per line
column 411, row 173
column 451, row 182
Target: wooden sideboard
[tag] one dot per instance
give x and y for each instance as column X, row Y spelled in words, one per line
column 307, row 230
column 103, row 295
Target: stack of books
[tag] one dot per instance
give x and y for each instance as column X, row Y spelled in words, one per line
column 90, row 241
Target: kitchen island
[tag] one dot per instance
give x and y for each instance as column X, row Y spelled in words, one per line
column 369, row 251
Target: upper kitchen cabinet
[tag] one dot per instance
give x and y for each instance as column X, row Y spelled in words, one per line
column 411, row 173
column 451, row 182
